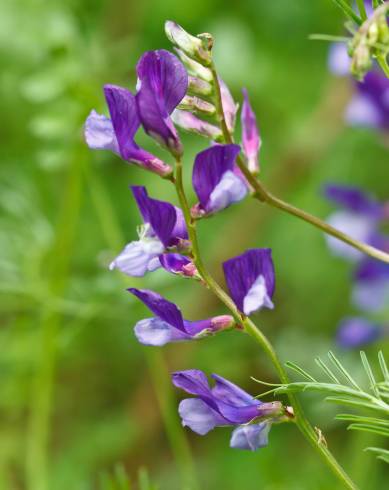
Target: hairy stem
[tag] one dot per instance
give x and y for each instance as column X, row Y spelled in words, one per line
column 256, row 334
column 263, row 195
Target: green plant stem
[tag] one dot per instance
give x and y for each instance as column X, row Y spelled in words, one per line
column 263, row 195
column 362, row 9
column 383, row 62
column 301, row 421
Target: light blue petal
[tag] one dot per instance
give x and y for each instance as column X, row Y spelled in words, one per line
column 99, row 133
column 197, row 415
column 250, row 437
column 230, row 189
column 139, row 257
column 257, row 297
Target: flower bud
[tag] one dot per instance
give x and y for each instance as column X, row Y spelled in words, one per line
column 222, row 322
column 190, row 122
column 194, row 68
column 361, row 61
column 197, row 105
column 199, row 87
column 194, row 47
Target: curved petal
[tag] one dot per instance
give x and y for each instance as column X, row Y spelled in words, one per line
column 251, row 140
column 177, row 264
column 199, row 416
column 163, row 84
column 251, row 280
column 231, row 393
column 251, row 437
column 161, row 307
column 214, row 180
column 192, row 381
column 138, row 257
column 99, row 133
column 154, row 331
column 355, row 332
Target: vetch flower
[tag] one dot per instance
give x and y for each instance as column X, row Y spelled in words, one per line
column 354, row 332
column 117, row 134
column 251, row 140
column 225, row 404
column 230, row 108
column 162, row 84
column 164, row 228
column 217, row 180
column 251, row 280
column 168, row 324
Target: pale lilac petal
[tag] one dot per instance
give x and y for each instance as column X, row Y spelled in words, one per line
column 154, row 331
column 339, row 60
column 371, row 295
column 243, row 276
column 251, row 437
column 230, row 108
column 251, row 140
column 186, row 120
column 229, row 190
column 138, row 257
column 99, row 133
column 362, row 112
column 356, row 332
column 199, row 416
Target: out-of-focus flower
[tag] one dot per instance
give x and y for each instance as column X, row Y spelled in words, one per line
column 356, row 332
column 251, row 280
column 225, row 404
column 162, row 84
column 217, row 180
column 164, row 227
column 168, row 324
column 251, row 140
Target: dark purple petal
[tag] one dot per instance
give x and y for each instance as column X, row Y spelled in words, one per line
column 230, row 393
column 163, row 84
column 177, row 264
column 192, row 381
column 211, row 167
column 165, row 219
column 125, row 120
column 355, row 332
column 353, row 199
column 251, row 140
column 161, row 307
column 251, row 280
column 251, row 437
column 374, row 90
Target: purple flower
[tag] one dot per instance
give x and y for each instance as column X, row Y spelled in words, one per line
column 222, row 405
column 216, row 179
column 162, row 84
column 359, row 218
column 355, row 332
column 230, row 108
column 251, row 280
column 178, row 264
column 117, row 134
column 251, row 140
column 168, row 324
column 164, row 227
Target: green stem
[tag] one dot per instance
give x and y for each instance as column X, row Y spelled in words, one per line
column 301, row 421
column 263, row 195
column 382, row 61
column 362, row 9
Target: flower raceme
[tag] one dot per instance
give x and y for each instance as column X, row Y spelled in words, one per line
column 168, row 324
column 163, row 229
column 162, row 84
column 225, row 404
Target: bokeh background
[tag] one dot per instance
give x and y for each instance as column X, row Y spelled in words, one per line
column 80, row 399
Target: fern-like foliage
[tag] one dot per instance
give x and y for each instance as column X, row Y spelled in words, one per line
column 340, row 388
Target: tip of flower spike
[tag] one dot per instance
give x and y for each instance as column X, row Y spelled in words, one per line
column 197, row 48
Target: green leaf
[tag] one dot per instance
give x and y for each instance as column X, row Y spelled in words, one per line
column 348, row 417
column 374, row 429
column 383, row 454
column 370, row 375
column 299, row 370
column 384, row 367
column 327, row 370
column 359, row 404
column 345, row 373
column 348, row 11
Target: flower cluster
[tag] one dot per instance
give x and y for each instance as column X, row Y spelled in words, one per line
column 361, row 217
column 181, row 90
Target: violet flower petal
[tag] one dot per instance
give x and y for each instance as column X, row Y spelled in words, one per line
column 156, row 332
column 355, row 332
column 99, row 133
column 214, row 179
column 163, row 82
column 251, row 140
column 230, row 108
column 339, row 60
column 251, row 437
column 139, row 257
column 177, row 264
column 231, row 393
column 199, row 416
column 251, row 280
column 161, row 307
column 353, row 199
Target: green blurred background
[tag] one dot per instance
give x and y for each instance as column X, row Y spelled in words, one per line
column 78, row 394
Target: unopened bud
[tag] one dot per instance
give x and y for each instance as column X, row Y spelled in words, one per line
column 194, row 68
column 361, row 61
column 189, row 122
column 199, row 87
column 271, row 408
column 222, row 322
column 193, row 46
column 197, row 105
